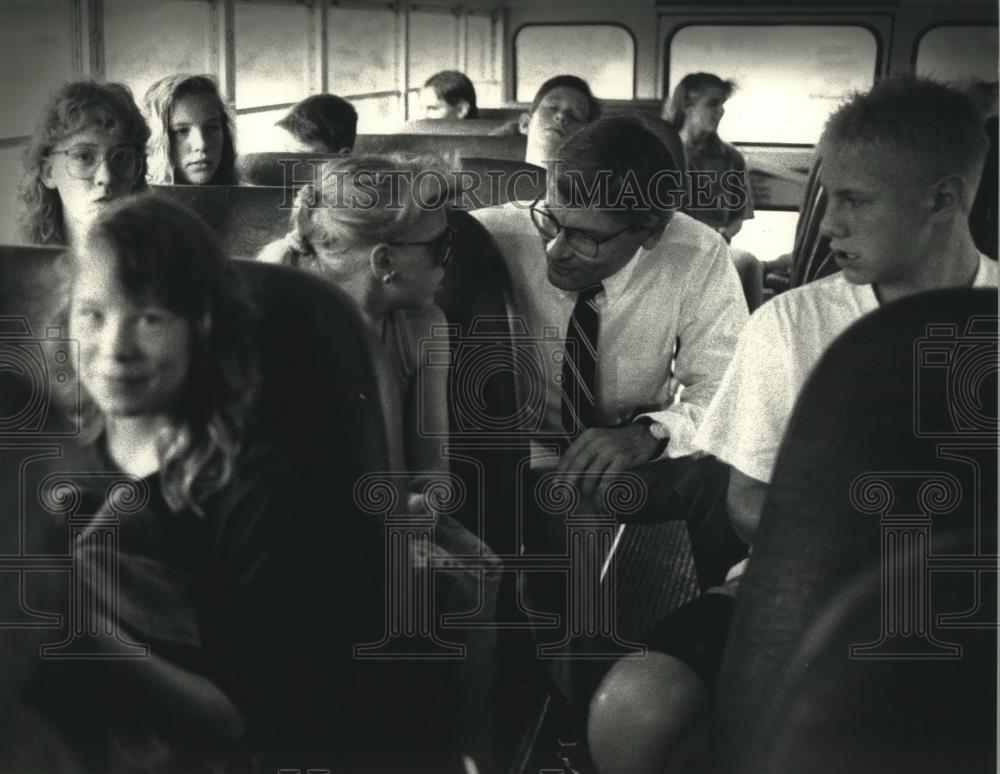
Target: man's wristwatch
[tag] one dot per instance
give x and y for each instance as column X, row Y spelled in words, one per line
column 661, row 446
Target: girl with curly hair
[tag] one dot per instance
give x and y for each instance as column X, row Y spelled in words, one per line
column 88, row 149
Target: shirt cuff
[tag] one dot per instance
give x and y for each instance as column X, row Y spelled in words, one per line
column 675, row 427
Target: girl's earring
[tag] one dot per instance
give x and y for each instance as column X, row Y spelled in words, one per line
column 387, row 278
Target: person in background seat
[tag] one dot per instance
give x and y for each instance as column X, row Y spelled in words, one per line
column 193, row 129
column 901, row 165
column 695, row 110
column 88, row 150
column 448, row 94
column 322, row 123
column 562, row 105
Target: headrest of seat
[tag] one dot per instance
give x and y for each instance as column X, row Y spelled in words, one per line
column 491, row 182
column 510, row 147
column 502, row 114
column 319, row 400
column 449, row 126
column 898, row 418
column 246, row 218
column 29, row 286
column 476, row 282
column 834, row 710
column 609, row 107
column 280, row 169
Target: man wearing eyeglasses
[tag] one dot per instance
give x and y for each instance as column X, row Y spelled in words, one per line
column 630, row 300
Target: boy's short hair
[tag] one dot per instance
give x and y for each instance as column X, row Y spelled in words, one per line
column 454, row 87
column 568, row 82
column 323, row 118
column 626, row 165
column 936, row 124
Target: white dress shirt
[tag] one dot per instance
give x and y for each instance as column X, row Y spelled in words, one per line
column 685, row 289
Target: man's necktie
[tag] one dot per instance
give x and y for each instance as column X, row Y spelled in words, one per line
column 579, row 373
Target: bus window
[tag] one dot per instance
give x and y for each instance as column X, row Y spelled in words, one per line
column 479, row 59
column 362, row 45
column 256, row 131
column 182, row 30
column 601, row 54
column 36, row 35
column 769, row 234
column 788, row 77
column 269, row 70
column 954, row 53
column 378, row 113
column 363, row 60
column 433, row 45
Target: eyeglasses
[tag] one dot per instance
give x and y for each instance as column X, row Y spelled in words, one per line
column 441, row 245
column 124, row 161
column 582, row 243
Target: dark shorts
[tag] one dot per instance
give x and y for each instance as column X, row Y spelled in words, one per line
column 696, row 634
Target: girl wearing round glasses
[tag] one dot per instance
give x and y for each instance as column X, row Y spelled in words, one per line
column 193, row 132
column 88, row 150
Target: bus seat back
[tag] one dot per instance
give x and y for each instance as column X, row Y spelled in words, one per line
column 609, row 107
column 458, row 126
column 280, row 168
column 319, row 401
column 29, row 286
column 511, row 147
column 892, row 443
column 246, row 218
column 486, row 182
column 492, row 182
column 482, row 394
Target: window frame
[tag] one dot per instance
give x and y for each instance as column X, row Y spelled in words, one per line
column 587, row 23
column 922, row 33
column 311, row 61
column 876, row 24
column 400, row 17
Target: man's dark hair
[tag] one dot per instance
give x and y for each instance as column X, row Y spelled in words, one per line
column 454, row 87
column 568, row 82
column 625, row 164
column 323, row 118
column 939, row 126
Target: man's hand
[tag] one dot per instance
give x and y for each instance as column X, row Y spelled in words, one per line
column 600, row 453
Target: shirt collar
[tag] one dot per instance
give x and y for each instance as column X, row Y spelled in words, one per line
column 615, row 285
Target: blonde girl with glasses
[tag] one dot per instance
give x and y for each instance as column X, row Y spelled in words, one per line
column 87, row 151
column 377, row 227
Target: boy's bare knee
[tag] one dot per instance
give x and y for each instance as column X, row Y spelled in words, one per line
column 645, row 714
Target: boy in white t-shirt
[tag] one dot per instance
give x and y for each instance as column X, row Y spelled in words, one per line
column 902, row 164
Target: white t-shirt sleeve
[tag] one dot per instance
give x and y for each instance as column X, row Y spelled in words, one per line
column 746, row 420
